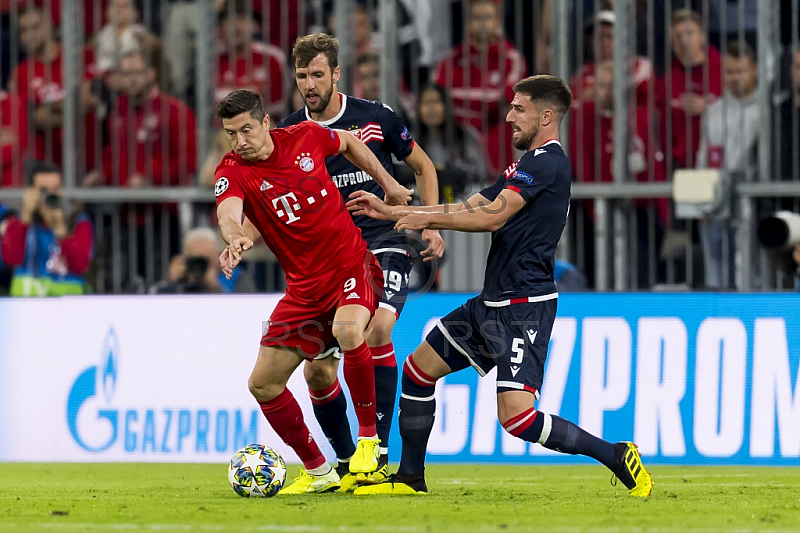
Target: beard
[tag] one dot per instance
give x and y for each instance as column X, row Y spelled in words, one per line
column 524, row 141
column 322, row 104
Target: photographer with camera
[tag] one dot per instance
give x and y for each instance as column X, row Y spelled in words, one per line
column 779, row 234
column 49, row 249
column 196, row 270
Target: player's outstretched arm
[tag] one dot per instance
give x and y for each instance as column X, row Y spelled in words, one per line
column 362, row 157
column 363, row 203
column 367, row 204
column 229, row 216
column 474, row 217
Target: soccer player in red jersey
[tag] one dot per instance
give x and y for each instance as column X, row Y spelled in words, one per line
column 316, row 64
column 278, row 180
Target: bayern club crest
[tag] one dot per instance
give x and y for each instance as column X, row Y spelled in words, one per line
column 305, row 162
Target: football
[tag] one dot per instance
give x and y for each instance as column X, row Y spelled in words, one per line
column 257, row 471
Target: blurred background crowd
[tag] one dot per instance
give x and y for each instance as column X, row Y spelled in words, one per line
column 683, row 134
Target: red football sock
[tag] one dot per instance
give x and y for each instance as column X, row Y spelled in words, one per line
column 383, row 355
column 284, row 415
column 360, row 378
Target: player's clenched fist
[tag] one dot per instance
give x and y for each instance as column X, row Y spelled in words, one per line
column 396, row 194
column 238, row 246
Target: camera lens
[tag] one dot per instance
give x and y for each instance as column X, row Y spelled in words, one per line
column 52, row 200
column 196, row 265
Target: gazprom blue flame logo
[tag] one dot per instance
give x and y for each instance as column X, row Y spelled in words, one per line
column 86, row 387
column 110, row 364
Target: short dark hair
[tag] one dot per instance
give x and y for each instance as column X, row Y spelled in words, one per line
column 371, row 57
column 546, row 89
column 740, row 50
column 686, row 15
column 33, row 8
column 242, row 101
column 39, row 166
column 308, row 47
column 238, row 8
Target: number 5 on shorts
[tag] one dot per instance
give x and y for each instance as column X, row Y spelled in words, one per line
column 517, row 348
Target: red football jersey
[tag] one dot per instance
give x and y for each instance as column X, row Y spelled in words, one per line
column 13, row 139
column 157, row 139
column 294, row 204
column 263, row 70
column 705, row 80
column 591, row 147
column 480, row 84
column 43, row 83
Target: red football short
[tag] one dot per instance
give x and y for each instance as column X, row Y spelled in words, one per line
column 308, row 325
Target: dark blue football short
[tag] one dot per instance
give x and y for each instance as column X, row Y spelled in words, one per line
column 396, row 264
column 512, row 337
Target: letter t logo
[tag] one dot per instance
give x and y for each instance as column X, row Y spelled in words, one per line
column 289, row 207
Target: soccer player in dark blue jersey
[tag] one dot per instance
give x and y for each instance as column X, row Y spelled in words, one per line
column 315, row 59
column 508, row 325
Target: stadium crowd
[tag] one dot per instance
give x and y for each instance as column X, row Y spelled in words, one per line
column 692, row 105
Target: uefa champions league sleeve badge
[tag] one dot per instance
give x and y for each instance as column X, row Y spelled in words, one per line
column 220, row 186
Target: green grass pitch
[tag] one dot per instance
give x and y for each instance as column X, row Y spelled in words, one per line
column 463, row 499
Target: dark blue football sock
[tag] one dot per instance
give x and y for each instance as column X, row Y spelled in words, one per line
column 417, row 408
column 558, row 434
column 330, row 409
column 566, row 437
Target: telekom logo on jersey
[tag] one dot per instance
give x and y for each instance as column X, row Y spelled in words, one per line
column 311, row 190
column 288, row 205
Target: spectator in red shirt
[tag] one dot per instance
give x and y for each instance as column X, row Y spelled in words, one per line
column 151, row 135
column 281, row 21
column 480, row 74
column 244, row 63
column 151, row 142
column 13, row 139
column 39, row 80
column 50, row 249
column 686, row 90
column 592, row 154
column 600, row 43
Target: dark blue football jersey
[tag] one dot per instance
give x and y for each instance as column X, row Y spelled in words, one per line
column 383, row 131
column 522, row 256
